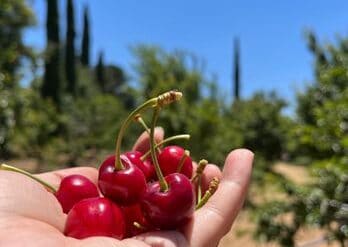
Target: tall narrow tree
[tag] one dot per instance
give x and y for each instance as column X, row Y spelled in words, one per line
column 70, row 68
column 236, row 70
column 85, row 39
column 100, row 72
column 51, row 84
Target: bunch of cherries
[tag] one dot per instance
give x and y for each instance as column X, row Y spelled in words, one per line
column 138, row 192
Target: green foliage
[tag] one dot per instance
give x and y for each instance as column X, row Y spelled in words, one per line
column 324, row 204
column 322, row 108
column 261, row 124
column 15, row 16
column 320, row 135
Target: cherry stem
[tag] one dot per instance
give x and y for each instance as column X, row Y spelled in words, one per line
column 213, row 186
column 169, row 139
column 161, row 100
column 182, row 160
column 15, row 169
column 163, row 184
column 197, row 178
column 200, row 168
column 140, row 120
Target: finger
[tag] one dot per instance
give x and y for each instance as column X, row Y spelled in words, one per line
column 163, row 239
column 55, row 177
column 143, row 142
column 22, row 196
column 211, row 171
column 222, row 208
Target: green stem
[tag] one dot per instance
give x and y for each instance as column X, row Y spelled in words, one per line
column 214, row 184
column 161, row 180
column 161, row 100
column 15, row 169
column 182, row 160
column 169, row 139
column 199, row 189
column 139, row 119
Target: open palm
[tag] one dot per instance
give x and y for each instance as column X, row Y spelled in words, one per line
column 31, row 216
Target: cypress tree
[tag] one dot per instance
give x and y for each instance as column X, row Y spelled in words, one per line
column 70, row 68
column 100, row 72
column 236, row 73
column 85, row 39
column 51, row 84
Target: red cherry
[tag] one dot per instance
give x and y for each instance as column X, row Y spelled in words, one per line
column 95, row 217
column 172, row 208
column 133, row 214
column 145, row 166
column 74, row 188
column 170, row 158
column 124, row 186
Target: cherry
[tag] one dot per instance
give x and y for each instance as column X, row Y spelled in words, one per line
column 135, row 220
column 172, row 159
column 172, row 208
column 125, row 186
column 95, row 217
column 145, row 166
column 119, row 179
column 74, row 188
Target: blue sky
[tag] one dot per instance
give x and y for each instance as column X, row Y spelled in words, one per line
column 273, row 51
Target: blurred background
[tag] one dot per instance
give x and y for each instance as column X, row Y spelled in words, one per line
column 264, row 75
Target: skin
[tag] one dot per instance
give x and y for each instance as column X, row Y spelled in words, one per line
column 31, row 216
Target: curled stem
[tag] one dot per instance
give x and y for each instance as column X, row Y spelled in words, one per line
column 213, row 186
column 159, row 101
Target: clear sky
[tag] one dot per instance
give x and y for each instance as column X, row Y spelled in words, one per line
column 273, row 50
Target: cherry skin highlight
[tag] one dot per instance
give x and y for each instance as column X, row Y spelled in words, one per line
column 169, row 160
column 170, row 209
column 74, row 188
column 95, row 217
column 126, row 186
column 145, row 166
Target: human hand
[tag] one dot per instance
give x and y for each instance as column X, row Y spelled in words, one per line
column 31, row 216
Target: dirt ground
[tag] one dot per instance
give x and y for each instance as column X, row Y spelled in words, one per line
column 241, row 232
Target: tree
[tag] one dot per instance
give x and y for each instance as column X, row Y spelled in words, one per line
column 70, row 65
column 100, row 72
column 85, row 39
column 51, row 85
column 321, row 136
column 236, row 71
column 15, row 16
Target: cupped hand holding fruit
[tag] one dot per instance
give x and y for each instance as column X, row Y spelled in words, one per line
column 31, row 215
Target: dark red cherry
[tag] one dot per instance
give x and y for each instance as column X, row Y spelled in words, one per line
column 172, row 208
column 95, row 217
column 133, row 214
column 126, row 186
column 74, row 188
column 145, row 166
column 169, row 160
